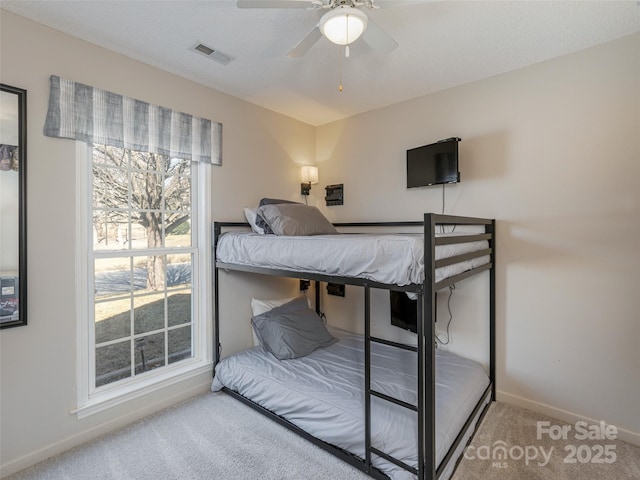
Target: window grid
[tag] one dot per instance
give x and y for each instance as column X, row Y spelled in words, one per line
column 137, row 253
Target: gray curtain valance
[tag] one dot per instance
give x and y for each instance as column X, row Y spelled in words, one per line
column 93, row 115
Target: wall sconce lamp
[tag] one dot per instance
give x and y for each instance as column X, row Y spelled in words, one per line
column 309, row 177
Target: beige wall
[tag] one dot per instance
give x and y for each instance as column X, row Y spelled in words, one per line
column 262, row 153
column 552, row 152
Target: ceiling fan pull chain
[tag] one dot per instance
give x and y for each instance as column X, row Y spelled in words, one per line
column 346, row 48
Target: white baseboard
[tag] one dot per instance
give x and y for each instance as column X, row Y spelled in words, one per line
column 562, row 415
column 49, row 451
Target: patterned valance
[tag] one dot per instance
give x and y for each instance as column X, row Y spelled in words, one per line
column 93, row 115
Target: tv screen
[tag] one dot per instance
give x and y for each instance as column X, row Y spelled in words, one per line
column 404, row 311
column 433, row 164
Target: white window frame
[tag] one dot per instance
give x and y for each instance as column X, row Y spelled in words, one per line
column 91, row 400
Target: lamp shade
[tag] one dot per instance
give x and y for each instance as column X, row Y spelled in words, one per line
column 310, row 174
column 343, row 25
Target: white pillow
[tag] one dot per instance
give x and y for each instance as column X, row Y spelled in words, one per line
column 258, row 307
column 250, row 215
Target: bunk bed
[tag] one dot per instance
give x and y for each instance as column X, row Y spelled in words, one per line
column 436, row 426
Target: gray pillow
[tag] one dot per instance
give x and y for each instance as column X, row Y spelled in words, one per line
column 292, row 330
column 296, row 219
column 273, row 201
column 261, row 222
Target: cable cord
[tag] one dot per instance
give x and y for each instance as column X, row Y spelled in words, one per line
column 443, row 203
column 442, row 226
column 451, row 290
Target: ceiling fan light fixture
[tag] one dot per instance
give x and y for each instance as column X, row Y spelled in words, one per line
column 343, row 25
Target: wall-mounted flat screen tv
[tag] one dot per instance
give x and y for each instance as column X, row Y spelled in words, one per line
column 433, row 164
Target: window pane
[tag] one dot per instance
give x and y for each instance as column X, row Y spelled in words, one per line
column 146, row 190
column 109, row 156
column 112, row 276
column 110, row 207
column 177, row 193
column 178, row 232
column 113, row 362
column 179, row 270
column 113, row 319
column 148, row 313
column 110, row 230
column 152, row 271
column 141, row 229
column 149, row 352
column 146, row 228
column 179, row 166
column 148, row 161
column 179, row 308
column 110, row 187
column 179, row 344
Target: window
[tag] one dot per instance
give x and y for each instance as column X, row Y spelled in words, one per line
column 145, row 268
column 142, row 242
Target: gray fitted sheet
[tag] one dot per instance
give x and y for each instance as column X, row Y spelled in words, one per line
column 323, row 393
column 395, row 259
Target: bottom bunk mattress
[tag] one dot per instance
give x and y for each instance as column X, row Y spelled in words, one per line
column 323, row 394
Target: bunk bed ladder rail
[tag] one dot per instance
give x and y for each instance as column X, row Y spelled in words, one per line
column 217, row 232
column 425, row 349
column 425, row 407
column 426, row 333
column 369, row 392
column 426, row 358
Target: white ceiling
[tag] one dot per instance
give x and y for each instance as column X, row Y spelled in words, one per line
column 441, row 44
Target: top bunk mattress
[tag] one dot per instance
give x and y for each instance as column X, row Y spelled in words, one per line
column 395, row 259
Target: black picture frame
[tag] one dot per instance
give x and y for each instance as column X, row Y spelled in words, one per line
column 14, row 286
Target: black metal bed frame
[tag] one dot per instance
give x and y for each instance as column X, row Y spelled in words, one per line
column 425, row 349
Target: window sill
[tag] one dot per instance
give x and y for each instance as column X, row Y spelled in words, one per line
column 105, row 400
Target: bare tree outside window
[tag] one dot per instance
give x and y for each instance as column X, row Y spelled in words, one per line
column 144, row 189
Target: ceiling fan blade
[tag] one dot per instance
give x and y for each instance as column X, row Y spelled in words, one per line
column 398, row 3
column 378, row 39
column 306, row 43
column 274, row 4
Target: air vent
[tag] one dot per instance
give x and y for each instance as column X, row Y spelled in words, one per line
column 204, row 49
column 212, row 53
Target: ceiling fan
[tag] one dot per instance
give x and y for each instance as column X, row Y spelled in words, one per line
column 343, row 22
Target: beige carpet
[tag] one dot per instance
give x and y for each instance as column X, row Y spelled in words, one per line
column 527, row 457
column 215, row 437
